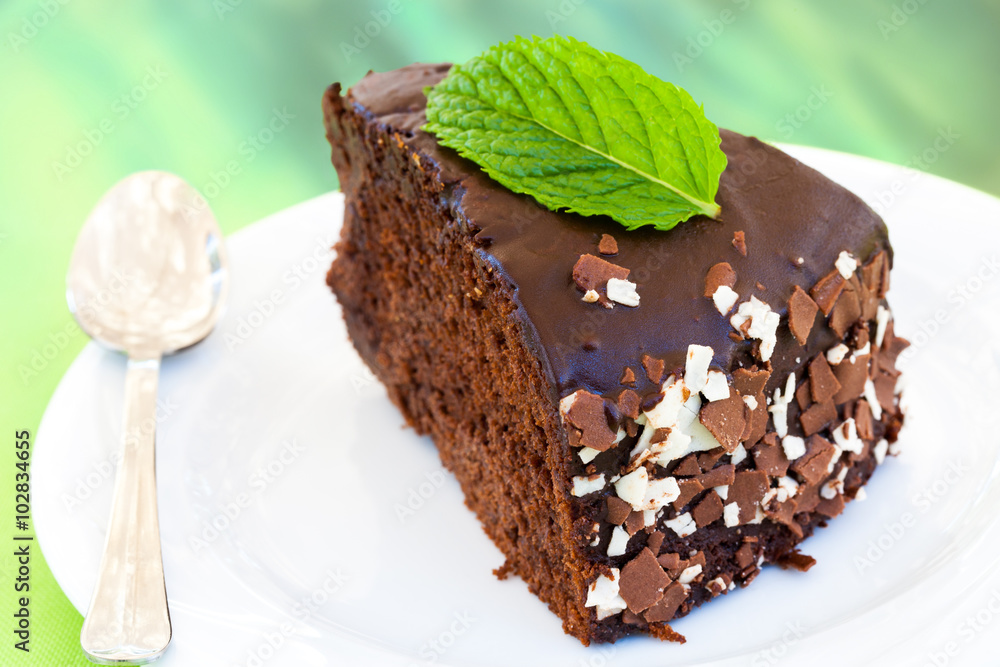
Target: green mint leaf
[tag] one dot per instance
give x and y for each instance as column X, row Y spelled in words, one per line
column 581, row 130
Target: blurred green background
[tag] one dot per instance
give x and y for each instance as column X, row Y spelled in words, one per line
column 226, row 93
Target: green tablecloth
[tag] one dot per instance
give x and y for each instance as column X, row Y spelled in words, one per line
column 90, row 92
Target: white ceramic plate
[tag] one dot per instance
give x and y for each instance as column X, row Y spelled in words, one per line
column 303, row 525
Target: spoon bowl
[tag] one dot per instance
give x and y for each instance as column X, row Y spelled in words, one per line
column 147, row 277
column 147, row 274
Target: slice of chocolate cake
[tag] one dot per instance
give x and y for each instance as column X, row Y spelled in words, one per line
column 640, row 419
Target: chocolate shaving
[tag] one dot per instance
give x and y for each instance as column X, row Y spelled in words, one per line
column 628, row 377
column 740, row 242
column 784, row 513
column 669, row 561
column 589, row 424
column 885, row 390
column 675, row 573
column 749, row 574
column 801, row 314
column 745, row 556
column 812, row 465
column 655, row 541
column 634, row 523
column 757, row 423
column 720, row 476
column 747, row 490
column 831, row 507
column 871, row 272
column 687, row 466
column 892, row 346
column 654, row 368
column 707, row 460
column 808, row 497
column 719, row 275
column 607, row 245
column 846, row 312
column 628, row 616
column 826, row 291
column 618, row 510
column 863, row 420
column 750, row 382
column 817, row 417
column 796, row 561
column 725, row 420
column 689, row 489
column 642, row 582
column 769, row 456
column 708, row 510
column 628, row 403
column 851, row 373
column 803, row 394
column 659, row 435
column 861, row 337
column 869, row 302
column 823, row 383
column 667, row 606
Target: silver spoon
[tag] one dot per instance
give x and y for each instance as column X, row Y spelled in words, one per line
column 148, row 277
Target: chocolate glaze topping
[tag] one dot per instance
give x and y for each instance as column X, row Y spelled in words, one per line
column 786, row 210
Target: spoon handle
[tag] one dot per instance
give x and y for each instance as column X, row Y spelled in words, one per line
column 128, row 620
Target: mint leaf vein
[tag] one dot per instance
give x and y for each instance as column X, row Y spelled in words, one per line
column 581, row 130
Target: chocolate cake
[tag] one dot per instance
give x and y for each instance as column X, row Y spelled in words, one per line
column 640, row 419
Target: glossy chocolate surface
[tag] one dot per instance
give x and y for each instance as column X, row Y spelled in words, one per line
column 795, row 220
